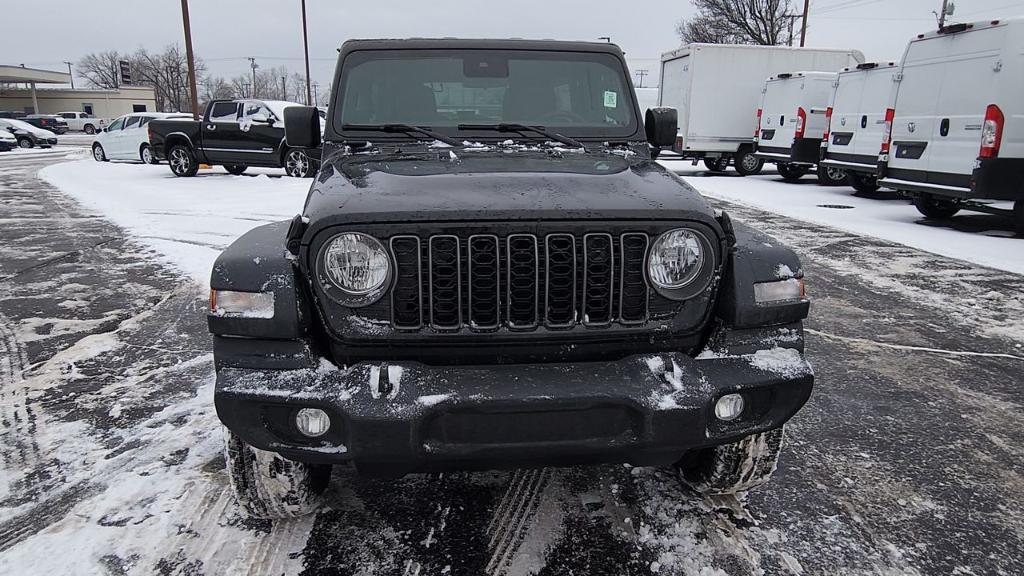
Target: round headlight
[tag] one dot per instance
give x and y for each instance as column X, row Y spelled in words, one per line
column 677, row 259
column 357, row 264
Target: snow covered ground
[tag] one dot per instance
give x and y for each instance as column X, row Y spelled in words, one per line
column 888, row 218
column 187, row 222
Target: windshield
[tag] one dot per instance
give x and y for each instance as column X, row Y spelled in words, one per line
column 573, row 93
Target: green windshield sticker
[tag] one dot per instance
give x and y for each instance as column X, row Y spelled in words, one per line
column 610, row 99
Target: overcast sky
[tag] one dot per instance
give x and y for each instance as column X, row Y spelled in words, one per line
column 226, row 32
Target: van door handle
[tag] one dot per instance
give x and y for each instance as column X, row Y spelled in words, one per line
column 864, row 121
column 944, row 127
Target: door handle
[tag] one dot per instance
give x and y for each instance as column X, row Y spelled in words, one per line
column 211, row 127
column 944, row 127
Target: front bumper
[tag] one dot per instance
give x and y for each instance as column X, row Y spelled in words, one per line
column 393, row 418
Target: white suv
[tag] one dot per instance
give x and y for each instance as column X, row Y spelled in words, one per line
column 127, row 137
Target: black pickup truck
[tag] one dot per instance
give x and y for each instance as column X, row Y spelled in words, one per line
column 491, row 271
column 235, row 134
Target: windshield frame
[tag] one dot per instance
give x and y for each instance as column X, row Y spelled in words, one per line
column 635, row 131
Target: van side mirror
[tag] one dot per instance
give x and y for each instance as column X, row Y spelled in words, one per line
column 661, row 125
column 302, row 126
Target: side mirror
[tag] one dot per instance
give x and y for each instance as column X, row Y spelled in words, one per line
column 261, row 119
column 302, row 126
column 104, row 129
column 661, row 125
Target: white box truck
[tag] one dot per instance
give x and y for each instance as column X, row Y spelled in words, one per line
column 717, row 87
column 855, row 122
column 791, row 125
column 957, row 124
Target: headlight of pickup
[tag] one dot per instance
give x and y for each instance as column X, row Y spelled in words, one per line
column 681, row 263
column 354, row 269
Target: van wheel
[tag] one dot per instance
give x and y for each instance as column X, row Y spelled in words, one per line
column 829, row 176
column 89, row 129
column 736, row 467
column 863, row 183
column 98, row 154
column 716, row 164
column 236, row 169
column 1018, row 217
column 936, row 208
column 792, row 172
column 182, row 161
column 268, row 485
column 747, row 164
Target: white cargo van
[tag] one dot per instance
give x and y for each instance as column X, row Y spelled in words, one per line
column 716, row 89
column 855, row 122
column 791, row 124
column 957, row 125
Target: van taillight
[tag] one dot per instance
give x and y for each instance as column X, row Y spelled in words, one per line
column 890, row 114
column 828, row 123
column 801, row 122
column 991, row 132
column 757, row 128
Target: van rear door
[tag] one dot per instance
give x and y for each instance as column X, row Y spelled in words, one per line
column 968, row 87
column 916, row 99
column 869, row 123
column 778, row 113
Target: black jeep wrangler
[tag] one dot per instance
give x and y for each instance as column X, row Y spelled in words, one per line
column 490, row 271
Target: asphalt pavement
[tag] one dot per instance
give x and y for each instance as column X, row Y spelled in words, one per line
column 908, row 459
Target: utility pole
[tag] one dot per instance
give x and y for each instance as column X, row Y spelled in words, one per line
column 284, row 88
column 641, row 73
column 254, row 65
column 803, row 29
column 316, row 98
column 70, row 74
column 191, row 60
column 305, row 48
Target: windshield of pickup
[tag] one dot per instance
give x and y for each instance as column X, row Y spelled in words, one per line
column 578, row 94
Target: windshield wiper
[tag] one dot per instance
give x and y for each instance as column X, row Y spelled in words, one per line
column 401, row 129
column 520, row 128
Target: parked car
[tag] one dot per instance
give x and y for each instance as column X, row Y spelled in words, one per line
column 791, row 125
column 717, row 90
column 82, row 122
column 7, row 141
column 127, row 137
column 28, row 135
column 855, row 122
column 235, row 134
column 9, row 114
column 516, row 284
column 957, row 125
column 50, row 122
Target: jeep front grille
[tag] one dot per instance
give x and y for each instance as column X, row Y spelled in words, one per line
column 519, row 281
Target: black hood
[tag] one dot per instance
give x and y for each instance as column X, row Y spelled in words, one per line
column 445, row 185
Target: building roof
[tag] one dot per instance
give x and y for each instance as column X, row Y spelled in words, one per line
column 20, row 74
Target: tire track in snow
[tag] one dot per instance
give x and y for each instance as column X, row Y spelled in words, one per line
column 19, row 449
column 507, row 528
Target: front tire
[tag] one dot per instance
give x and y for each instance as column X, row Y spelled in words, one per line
column 89, row 129
column 863, row 183
column 937, row 208
column 26, row 142
column 98, row 154
column 268, row 485
column 182, row 161
column 791, row 172
column 829, row 176
column 736, row 467
column 747, row 164
column 298, row 164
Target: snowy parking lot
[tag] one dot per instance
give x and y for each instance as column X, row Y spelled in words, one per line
column 907, row 460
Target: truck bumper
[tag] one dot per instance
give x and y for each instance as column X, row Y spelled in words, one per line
column 392, row 418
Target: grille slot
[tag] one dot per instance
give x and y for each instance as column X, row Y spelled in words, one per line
column 484, row 292
column 520, row 281
column 407, row 293
column 598, row 279
column 523, row 267
column 632, row 282
column 445, row 282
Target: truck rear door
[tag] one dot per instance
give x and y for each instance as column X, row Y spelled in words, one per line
column 220, row 133
column 675, row 88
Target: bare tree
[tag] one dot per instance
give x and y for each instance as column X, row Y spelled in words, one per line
column 736, row 22
column 101, row 70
